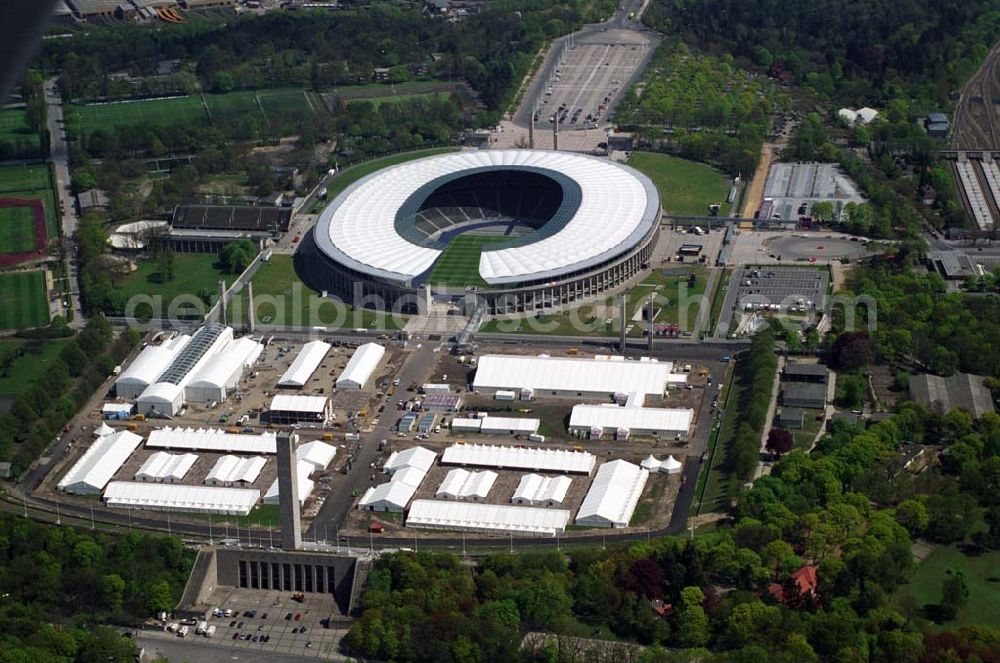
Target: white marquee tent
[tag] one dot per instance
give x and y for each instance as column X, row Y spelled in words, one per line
column 305, row 484
column 516, row 458
column 413, row 457
column 234, row 470
column 318, row 454
column 162, row 467
column 492, row 518
column 361, row 366
column 177, row 497
column 571, row 376
column 211, row 439
column 536, row 490
column 99, row 463
column 462, row 484
column 306, row 362
column 613, row 495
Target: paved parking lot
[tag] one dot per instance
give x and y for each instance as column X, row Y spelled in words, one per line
column 794, row 187
column 275, row 621
column 795, row 289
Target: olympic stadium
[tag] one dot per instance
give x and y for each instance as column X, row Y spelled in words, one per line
column 522, row 230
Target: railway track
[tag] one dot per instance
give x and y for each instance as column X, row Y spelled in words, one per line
column 975, row 117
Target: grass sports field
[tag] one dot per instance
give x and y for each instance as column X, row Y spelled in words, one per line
column 17, row 229
column 686, row 188
column 32, row 182
column 981, row 575
column 281, row 298
column 14, row 129
column 194, row 109
column 458, row 265
column 22, row 300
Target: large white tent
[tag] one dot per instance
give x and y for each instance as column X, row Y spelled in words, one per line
column 412, row 457
column 290, row 409
column 361, row 366
column 222, row 372
column 162, row 467
column 165, row 397
column 462, row 484
column 147, row 367
column 585, row 420
column 536, row 490
column 395, row 494
column 305, row 484
column 613, row 495
column 492, row 518
column 318, row 454
column 177, row 497
column 598, row 377
column 94, row 470
column 234, row 470
column 517, row 458
column 306, row 362
column 211, row 439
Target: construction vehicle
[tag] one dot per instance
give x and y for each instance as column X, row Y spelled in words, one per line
column 573, row 351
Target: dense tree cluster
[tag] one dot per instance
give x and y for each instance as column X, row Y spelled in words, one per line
column 754, row 382
column 859, row 51
column 55, row 395
column 701, row 107
column 836, row 510
column 60, row 584
column 30, row 142
column 919, row 322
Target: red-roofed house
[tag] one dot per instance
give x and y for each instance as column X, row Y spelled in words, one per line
column 805, row 580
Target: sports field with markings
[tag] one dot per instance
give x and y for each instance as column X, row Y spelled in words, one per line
column 459, row 263
column 17, row 229
column 22, row 300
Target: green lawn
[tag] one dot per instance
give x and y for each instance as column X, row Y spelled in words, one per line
column 14, row 130
column 352, row 174
column 982, row 574
column 17, row 229
column 280, row 297
column 22, row 300
column 458, row 264
column 33, row 183
column 804, row 436
column 192, row 272
column 395, row 99
column 262, row 515
column 88, row 118
column 686, row 188
column 668, row 292
column 27, row 360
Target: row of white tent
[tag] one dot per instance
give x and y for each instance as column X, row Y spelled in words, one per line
column 156, row 484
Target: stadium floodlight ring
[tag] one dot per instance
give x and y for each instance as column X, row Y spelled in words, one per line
column 606, row 210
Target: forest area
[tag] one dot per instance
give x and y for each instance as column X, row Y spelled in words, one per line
column 61, row 585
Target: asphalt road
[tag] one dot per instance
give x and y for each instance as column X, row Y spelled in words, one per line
column 199, row 650
column 59, row 155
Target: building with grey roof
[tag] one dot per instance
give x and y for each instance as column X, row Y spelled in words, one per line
column 805, row 373
column 963, row 391
column 803, row 394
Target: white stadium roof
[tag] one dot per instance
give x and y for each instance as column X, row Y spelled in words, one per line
column 233, row 469
column 642, row 418
column 607, row 375
column 536, row 489
column 162, row 466
column 211, row 439
column 359, row 228
column 493, row 518
column 178, row 497
column 516, row 458
column 308, row 360
column 462, row 484
column 316, row 453
column 360, row 366
column 296, row 403
column 94, row 470
column 613, row 495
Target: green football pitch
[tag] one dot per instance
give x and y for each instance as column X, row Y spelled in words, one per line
column 22, row 300
column 17, row 229
column 459, row 263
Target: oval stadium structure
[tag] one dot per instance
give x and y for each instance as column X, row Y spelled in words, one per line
column 520, row 229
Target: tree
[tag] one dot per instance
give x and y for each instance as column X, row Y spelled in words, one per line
column 823, row 210
column 852, row 351
column 113, row 591
column 693, row 629
column 780, row 441
column 158, row 597
column 912, row 514
column 237, row 256
column 954, row 594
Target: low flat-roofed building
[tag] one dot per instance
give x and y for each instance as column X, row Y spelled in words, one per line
column 801, row 372
column 803, row 394
column 791, row 417
column 442, row 403
column 509, row 426
column 963, row 391
column 287, row 409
